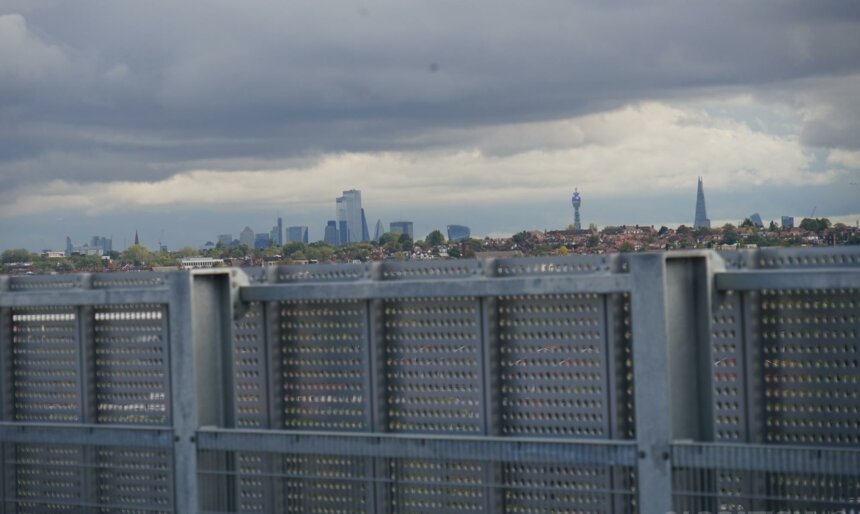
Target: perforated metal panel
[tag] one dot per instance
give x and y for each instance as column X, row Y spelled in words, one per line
column 542, row 488
column 437, row 486
column 131, row 365
column 811, row 347
column 730, row 392
column 432, row 365
column 250, row 375
column 134, row 480
column 727, row 354
column 580, row 264
column 324, row 365
column 785, row 371
column 47, row 478
column 323, row 273
column 553, row 366
column 46, row 365
column 325, row 484
column 251, row 407
column 829, row 483
column 554, row 383
column 620, row 338
column 46, row 383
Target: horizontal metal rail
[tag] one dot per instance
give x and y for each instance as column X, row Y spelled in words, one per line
column 89, row 435
column 770, row 458
column 378, row 290
column 85, row 297
column 357, row 444
column 755, row 280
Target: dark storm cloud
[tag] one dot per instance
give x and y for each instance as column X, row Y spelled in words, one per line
column 104, row 90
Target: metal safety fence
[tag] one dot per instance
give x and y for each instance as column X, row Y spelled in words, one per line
column 689, row 381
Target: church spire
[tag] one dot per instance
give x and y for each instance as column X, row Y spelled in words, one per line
column 136, row 239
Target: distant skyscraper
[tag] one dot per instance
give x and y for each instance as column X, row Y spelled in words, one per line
column 365, row 234
column 350, row 218
column 378, row 231
column 105, row 244
column 343, row 232
column 458, row 233
column 702, row 220
column 402, row 227
column 262, row 241
column 576, row 201
column 788, row 222
column 68, row 246
column 297, row 234
column 331, row 236
column 275, row 236
column 755, row 218
column 280, row 238
column 246, row 237
column 225, row 240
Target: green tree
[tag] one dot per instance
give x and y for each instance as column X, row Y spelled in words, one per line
column 293, row 247
column 730, row 234
column 136, row 254
column 388, row 237
column 816, row 225
column 187, row 252
column 237, row 252
column 86, row 262
column 663, row 230
column 405, row 242
column 520, row 237
column 17, row 255
column 626, row 247
column 747, row 223
column 435, row 238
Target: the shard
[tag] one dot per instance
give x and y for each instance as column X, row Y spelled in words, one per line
column 702, row 220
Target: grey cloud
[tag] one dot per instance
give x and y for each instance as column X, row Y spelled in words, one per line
column 139, row 90
column 836, row 121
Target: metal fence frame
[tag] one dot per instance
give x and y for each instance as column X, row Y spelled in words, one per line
column 675, row 321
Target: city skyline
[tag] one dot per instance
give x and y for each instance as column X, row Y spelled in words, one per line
column 488, row 116
column 303, row 233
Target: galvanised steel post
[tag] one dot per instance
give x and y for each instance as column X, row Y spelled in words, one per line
column 184, row 389
column 650, row 376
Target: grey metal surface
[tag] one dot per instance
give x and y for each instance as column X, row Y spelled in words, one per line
column 85, row 363
column 650, row 355
column 441, row 473
column 442, row 288
column 505, row 385
column 809, row 479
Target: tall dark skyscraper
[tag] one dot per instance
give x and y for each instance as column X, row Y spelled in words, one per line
column 576, row 201
column 702, row 220
column 332, row 235
column 365, row 233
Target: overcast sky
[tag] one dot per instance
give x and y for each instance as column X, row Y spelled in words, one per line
column 186, row 119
